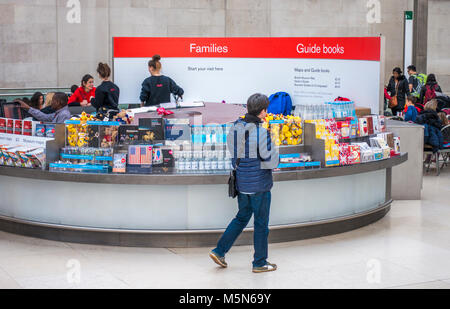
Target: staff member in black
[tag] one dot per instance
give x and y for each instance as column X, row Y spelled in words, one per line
column 157, row 88
column 107, row 94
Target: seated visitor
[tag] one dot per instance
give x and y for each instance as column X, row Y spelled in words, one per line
column 411, row 111
column 59, row 104
column 48, row 104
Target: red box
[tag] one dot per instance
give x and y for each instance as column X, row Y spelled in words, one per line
column 344, row 128
column 344, row 153
column 10, row 126
column 18, row 126
column 354, row 154
column 27, row 128
column 382, row 120
column 2, row 125
column 363, row 129
column 370, row 125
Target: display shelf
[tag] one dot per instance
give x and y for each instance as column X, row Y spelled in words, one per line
column 199, row 179
column 51, row 145
column 359, row 139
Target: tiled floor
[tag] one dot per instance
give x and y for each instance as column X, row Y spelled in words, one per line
column 409, row 248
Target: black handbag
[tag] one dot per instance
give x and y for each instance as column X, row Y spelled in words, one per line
column 232, row 190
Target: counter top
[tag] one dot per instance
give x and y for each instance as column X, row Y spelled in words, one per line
column 198, row 179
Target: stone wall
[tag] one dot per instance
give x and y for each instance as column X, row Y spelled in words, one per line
column 40, row 48
column 438, row 60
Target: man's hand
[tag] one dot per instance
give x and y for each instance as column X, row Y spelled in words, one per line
column 84, row 103
column 23, row 105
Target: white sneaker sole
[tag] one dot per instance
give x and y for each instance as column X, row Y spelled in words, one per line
column 264, row 270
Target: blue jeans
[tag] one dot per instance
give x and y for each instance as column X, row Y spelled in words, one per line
column 259, row 205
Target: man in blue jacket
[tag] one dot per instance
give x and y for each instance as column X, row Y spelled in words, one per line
column 254, row 157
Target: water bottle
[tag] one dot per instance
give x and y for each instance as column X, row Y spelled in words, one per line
column 195, row 161
column 201, row 162
column 176, row 157
column 214, row 162
column 207, row 162
column 220, row 161
column 188, row 162
column 182, row 163
column 208, row 135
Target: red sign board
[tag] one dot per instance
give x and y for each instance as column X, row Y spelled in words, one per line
column 346, row 48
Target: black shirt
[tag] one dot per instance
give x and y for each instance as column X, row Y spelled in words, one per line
column 401, row 90
column 106, row 95
column 157, row 90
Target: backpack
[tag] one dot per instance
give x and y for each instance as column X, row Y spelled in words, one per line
column 421, row 81
column 430, row 93
column 280, row 103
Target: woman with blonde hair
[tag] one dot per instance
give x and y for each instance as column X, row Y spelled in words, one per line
column 431, row 105
column 47, row 109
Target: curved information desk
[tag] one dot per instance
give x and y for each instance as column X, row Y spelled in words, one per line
column 188, row 210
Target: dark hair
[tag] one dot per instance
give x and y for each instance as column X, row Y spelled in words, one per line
column 398, row 70
column 85, row 79
column 412, row 68
column 26, row 100
column 34, row 101
column 431, row 79
column 104, row 70
column 73, row 88
column 61, row 98
column 257, row 103
column 155, row 62
column 411, row 98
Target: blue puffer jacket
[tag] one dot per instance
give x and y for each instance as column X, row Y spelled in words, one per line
column 433, row 137
column 254, row 173
column 432, row 132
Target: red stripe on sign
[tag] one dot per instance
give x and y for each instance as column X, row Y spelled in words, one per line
column 363, row 48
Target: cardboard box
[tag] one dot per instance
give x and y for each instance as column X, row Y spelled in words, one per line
column 10, row 126
column 362, row 111
column 363, row 127
column 128, row 134
column 376, row 124
column 146, row 136
column 156, row 125
column 382, row 121
column 177, row 129
column 370, row 127
column 3, row 125
column 397, row 145
column 27, row 128
column 354, row 154
column 140, row 159
column 50, row 130
column 120, row 163
column 40, row 130
column 163, row 161
column 18, row 127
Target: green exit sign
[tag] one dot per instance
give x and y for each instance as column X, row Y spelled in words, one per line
column 409, row 15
